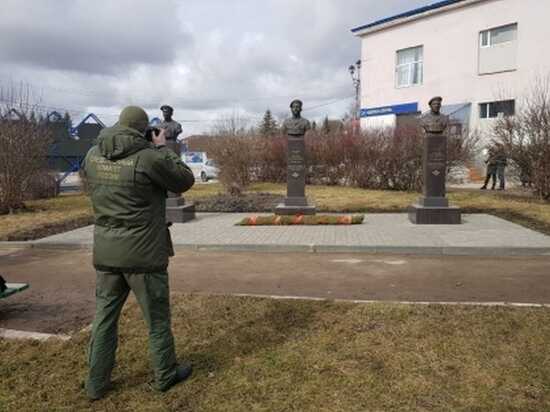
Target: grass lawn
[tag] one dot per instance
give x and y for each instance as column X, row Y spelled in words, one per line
column 66, row 211
column 267, row 355
column 74, row 210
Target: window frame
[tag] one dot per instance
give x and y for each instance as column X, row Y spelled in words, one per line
column 488, row 32
column 485, row 107
column 411, row 65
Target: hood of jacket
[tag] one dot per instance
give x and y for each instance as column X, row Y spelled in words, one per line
column 118, row 142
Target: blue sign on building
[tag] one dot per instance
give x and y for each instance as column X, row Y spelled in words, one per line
column 385, row 110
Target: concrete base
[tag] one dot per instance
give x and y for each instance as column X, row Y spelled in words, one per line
column 478, row 235
column 422, row 215
column 180, row 214
column 288, row 210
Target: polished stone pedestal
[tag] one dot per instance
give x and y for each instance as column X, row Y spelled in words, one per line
column 422, row 215
column 433, row 207
column 177, row 211
column 296, row 202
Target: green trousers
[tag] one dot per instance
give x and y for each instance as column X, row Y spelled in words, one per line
column 152, row 293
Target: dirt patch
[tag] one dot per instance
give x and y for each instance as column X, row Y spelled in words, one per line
column 49, row 229
column 250, row 202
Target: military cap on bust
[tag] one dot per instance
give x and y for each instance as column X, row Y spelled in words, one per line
column 166, row 107
column 297, row 101
column 434, row 99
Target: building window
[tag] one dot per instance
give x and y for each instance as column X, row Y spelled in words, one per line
column 497, row 109
column 408, row 69
column 498, row 35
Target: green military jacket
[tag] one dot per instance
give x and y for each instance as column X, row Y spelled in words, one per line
column 128, row 179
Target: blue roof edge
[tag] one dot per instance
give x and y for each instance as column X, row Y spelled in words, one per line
column 410, row 13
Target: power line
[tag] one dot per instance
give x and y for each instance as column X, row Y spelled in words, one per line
column 327, row 104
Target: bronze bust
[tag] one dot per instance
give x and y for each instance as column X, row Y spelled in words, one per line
column 173, row 128
column 433, row 122
column 296, row 126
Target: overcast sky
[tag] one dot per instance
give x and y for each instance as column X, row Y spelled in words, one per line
column 209, row 59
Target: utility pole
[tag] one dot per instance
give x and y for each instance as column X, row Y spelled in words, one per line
column 355, row 72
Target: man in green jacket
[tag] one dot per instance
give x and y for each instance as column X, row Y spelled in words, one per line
column 128, row 178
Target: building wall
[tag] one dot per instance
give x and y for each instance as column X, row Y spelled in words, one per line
column 451, row 58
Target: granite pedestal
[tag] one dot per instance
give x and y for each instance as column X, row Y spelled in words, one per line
column 433, row 207
column 177, row 211
column 296, row 202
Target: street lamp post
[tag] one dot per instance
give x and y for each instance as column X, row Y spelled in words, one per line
column 355, row 72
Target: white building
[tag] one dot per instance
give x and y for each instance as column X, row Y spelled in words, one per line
column 480, row 55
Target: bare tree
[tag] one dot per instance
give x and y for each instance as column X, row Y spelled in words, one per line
column 233, row 150
column 526, row 137
column 24, row 143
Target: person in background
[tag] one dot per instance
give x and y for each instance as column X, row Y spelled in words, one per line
column 502, row 162
column 491, row 168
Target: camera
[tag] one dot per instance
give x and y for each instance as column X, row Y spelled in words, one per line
column 150, row 132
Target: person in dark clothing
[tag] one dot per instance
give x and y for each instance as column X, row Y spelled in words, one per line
column 491, row 163
column 501, row 161
column 128, row 178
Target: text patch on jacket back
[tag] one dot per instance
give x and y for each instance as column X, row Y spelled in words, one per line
column 114, row 173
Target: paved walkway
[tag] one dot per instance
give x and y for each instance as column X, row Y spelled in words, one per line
column 479, row 235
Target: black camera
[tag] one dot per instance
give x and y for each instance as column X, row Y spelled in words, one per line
column 150, row 132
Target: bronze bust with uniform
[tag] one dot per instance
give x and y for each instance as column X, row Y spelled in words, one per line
column 177, row 210
column 296, row 125
column 433, row 122
column 433, row 207
column 173, row 128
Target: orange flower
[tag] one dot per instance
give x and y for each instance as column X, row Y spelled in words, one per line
column 344, row 220
column 298, row 220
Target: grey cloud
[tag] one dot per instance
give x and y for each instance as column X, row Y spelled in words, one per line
column 94, row 37
column 205, row 57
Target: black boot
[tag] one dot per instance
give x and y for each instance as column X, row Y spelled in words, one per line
column 182, row 373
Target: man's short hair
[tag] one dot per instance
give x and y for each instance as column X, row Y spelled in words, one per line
column 297, row 101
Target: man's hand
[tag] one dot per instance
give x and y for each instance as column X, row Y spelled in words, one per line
column 160, row 139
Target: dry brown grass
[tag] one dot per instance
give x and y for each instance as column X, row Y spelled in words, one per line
column 41, row 214
column 266, row 355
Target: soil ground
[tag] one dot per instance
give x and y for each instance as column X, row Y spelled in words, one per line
column 61, row 296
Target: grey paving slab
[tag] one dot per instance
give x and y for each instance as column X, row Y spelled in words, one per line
column 479, row 235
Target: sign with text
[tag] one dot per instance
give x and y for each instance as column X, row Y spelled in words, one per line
column 386, row 110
